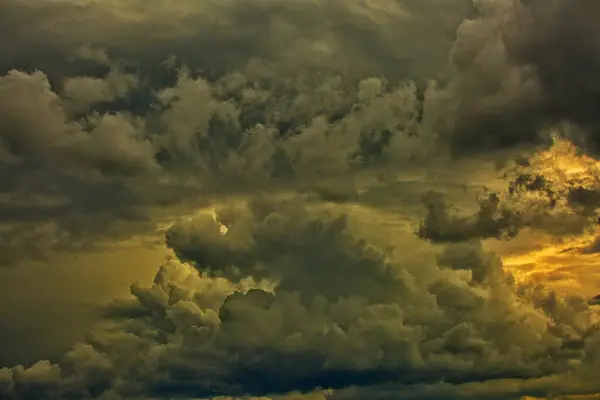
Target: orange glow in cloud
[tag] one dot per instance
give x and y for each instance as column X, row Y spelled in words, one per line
column 559, row 262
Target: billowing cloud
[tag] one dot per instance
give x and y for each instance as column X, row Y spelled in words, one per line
column 554, row 191
column 522, row 68
column 197, row 139
column 289, row 323
column 568, row 74
column 389, row 37
column 312, row 128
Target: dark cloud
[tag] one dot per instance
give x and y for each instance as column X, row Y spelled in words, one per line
column 493, row 220
column 522, row 69
column 118, row 115
column 559, row 41
column 84, row 176
column 124, row 107
column 360, row 38
column 593, row 248
column 289, row 246
column 538, row 195
column 194, row 336
column 62, row 177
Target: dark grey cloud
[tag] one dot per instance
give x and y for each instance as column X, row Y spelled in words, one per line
column 559, row 41
column 493, row 220
column 59, row 172
column 97, row 173
column 522, row 68
column 190, row 335
column 222, row 96
column 116, row 114
column 390, row 37
column 287, row 245
column 535, row 196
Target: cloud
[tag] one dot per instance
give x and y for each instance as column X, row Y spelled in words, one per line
column 50, row 161
column 197, row 139
column 107, row 113
column 152, row 110
column 360, row 38
column 284, row 245
column 85, row 91
column 304, row 328
column 553, row 191
column 518, row 73
column 567, row 74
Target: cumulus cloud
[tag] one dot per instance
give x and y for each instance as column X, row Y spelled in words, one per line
column 197, row 138
column 521, row 68
column 50, row 162
column 553, row 191
column 568, row 74
column 360, row 38
column 85, row 91
column 293, row 120
column 304, row 328
column 247, row 123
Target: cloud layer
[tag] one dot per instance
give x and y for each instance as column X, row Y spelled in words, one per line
column 278, row 318
column 297, row 122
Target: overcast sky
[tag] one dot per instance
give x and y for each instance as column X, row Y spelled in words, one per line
column 299, row 199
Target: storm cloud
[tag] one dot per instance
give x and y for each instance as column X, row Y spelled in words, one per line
column 304, row 163
column 285, row 321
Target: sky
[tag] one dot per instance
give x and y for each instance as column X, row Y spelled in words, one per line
column 299, row 199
